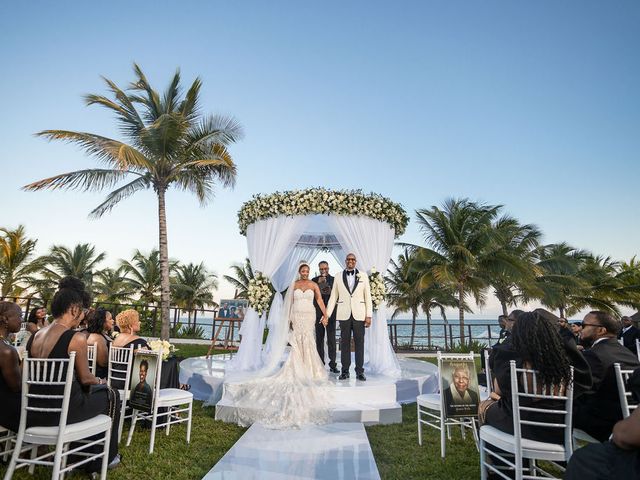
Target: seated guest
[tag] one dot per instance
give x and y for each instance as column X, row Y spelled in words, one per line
column 129, row 323
column 599, row 409
column 37, row 319
column 534, row 343
column 508, row 325
column 99, row 324
column 10, row 376
column 57, row 340
column 629, row 334
column 576, row 329
column 618, row 458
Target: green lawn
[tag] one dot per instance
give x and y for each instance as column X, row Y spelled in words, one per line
column 395, row 448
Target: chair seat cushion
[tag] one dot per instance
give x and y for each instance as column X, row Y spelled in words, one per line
column 72, row 432
column 530, row 448
column 174, row 396
column 430, row 400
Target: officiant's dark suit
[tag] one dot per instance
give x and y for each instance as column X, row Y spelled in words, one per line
column 598, row 410
column 325, row 284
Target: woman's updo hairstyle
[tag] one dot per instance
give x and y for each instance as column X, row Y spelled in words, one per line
column 303, row 264
column 96, row 319
column 71, row 292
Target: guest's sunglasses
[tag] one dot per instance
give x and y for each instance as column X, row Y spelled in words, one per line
column 590, row 325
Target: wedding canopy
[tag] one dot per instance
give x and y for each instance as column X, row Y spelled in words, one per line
column 286, row 228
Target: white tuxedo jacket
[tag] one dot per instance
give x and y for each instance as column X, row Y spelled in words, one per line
column 356, row 303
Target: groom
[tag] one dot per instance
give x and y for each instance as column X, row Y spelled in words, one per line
column 352, row 295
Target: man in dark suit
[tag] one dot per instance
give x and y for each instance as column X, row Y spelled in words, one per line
column 325, row 283
column 629, row 334
column 597, row 411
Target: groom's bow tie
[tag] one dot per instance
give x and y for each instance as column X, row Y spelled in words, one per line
column 351, row 272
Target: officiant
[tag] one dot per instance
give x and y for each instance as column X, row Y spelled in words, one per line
column 325, row 283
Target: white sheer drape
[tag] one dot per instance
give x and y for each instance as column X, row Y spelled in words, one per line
column 371, row 241
column 281, row 279
column 269, row 242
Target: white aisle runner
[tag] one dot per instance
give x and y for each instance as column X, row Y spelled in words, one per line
column 334, row 451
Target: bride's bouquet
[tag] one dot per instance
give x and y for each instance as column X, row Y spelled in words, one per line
column 167, row 349
column 260, row 293
column 378, row 289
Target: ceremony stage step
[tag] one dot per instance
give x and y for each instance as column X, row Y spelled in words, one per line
column 207, row 377
column 337, row 450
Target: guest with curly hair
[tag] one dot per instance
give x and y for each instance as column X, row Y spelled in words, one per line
column 535, row 343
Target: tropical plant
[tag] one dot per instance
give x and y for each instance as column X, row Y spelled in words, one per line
column 16, row 261
column 112, row 286
column 242, row 275
column 82, row 262
column 170, row 143
column 143, row 275
column 193, row 288
column 513, row 270
column 461, row 247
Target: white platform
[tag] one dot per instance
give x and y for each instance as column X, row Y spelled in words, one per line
column 378, row 400
column 334, row 451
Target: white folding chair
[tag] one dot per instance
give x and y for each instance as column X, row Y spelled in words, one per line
column 622, row 377
column 524, row 385
column 91, row 355
column 45, row 375
column 118, row 376
column 638, row 348
column 431, row 410
column 174, row 400
column 487, row 371
column 7, row 438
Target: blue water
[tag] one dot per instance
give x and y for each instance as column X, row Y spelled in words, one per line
column 402, row 327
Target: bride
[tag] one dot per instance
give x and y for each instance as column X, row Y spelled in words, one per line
column 295, row 395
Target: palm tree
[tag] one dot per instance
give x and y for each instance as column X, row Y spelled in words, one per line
column 461, row 246
column 143, row 275
column 81, row 262
column 559, row 281
column 193, row 288
column 16, row 264
column 169, row 144
column 240, row 278
column 516, row 271
column 112, row 286
column 403, row 291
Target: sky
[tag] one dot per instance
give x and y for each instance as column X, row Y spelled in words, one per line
column 531, row 105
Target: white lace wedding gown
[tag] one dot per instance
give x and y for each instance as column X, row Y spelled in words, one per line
column 297, row 394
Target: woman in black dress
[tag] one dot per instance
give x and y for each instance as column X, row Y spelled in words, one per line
column 10, row 377
column 128, row 322
column 99, row 325
column 89, row 394
column 535, row 344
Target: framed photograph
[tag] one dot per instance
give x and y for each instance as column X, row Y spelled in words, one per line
column 234, row 308
column 143, row 380
column 460, row 393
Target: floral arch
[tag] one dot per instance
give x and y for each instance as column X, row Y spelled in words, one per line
column 285, row 228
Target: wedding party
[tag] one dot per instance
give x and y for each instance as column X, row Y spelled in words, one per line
column 327, row 240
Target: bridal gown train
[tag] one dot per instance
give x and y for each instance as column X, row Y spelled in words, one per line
column 297, row 394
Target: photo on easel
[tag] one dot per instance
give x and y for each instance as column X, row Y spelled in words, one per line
column 143, row 381
column 232, row 309
column 460, row 388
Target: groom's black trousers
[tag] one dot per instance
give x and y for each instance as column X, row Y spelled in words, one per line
column 331, row 339
column 346, row 328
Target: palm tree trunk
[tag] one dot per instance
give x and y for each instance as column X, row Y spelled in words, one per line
column 504, row 308
column 165, row 294
column 461, row 311
column 413, row 326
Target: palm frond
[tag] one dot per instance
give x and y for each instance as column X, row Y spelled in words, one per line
column 119, row 194
column 92, row 179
